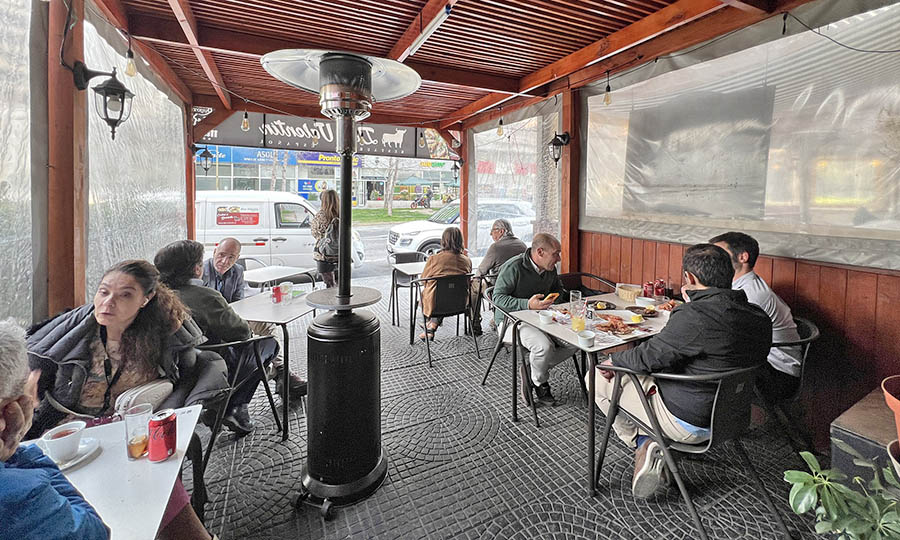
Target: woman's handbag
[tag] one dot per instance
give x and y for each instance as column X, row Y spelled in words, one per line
column 154, row 393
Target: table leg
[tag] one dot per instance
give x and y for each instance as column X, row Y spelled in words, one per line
column 515, row 374
column 412, row 316
column 286, row 388
column 592, row 383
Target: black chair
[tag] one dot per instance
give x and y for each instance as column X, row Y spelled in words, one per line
column 575, row 281
column 517, row 350
column 808, row 332
column 730, row 418
column 400, row 281
column 233, row 375
column 451, row 297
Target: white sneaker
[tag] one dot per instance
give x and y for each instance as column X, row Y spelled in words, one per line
column 648, row 470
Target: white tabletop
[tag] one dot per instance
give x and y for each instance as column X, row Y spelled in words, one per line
column 604, row 340
column 259, row 308
column 416, row 268
column 131, row 496
column 273, row 273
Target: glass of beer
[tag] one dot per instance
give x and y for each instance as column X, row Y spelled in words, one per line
column 578, row 310
column 137, row 435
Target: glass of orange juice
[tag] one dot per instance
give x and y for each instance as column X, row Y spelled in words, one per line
column 578, row 310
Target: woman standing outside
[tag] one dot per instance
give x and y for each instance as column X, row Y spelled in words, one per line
column 324, row 228
column 450, row 261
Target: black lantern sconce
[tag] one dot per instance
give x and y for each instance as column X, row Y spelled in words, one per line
column 205, row 157
column 559, row 140
column 111, row 99
column 456, row 169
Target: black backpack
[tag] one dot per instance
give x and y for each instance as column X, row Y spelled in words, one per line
column 328, row 244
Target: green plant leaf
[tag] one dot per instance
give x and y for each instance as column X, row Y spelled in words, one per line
column 811, row 461
column 804, row 499
column 834, row 475
column 865, row 463
column 831, row 506
column 823, row 527
column 891, row 478
column 847, row 448
column 798, row 476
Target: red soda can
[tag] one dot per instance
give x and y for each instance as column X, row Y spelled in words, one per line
column 659, row 288
column 648, row 289
column 162, row 435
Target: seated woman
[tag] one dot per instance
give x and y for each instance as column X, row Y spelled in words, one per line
column 450, row 261
column 135, row 331
column 181, row 265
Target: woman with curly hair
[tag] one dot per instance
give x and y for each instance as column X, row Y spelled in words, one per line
column 328, row 215
column 136, row 331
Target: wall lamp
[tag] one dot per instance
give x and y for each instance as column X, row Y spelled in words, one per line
column 559, row 140
column 205, row 156
column 456, row 169
column 111, row 99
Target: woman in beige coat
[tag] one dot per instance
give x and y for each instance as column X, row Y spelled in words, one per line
column 450, row 261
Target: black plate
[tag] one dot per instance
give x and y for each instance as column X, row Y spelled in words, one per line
column 601, row 305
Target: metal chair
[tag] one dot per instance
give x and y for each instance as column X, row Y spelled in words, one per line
column 575, row 281
column 809, row 332
column 243, row 262
column 730, row 418
column 241, row 368
column 451, row 297
column 516, row 350
column 399, row 281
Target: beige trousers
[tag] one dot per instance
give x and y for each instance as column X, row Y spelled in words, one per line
column 630, row 401
column 269, row 329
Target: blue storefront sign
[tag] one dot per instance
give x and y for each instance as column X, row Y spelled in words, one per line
column 269, row 156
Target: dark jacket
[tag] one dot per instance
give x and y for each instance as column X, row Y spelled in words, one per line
column 500, row 251
column 717, row 331
column 518, row 281
column 213, row 315
column 232, row 280
column 61, row 348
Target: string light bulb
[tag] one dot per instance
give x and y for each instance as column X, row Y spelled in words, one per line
column 315, row 137
column 500, row 127
column 245, row 123
column 422, row 139
column 130, row 68
column 607, row 97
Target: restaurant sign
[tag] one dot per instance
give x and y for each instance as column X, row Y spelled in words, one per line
column 273, row 156
column 315, row 134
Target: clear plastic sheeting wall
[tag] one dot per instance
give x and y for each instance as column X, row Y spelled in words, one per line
column 137, row 181
column 514, row 177
column 796, row 141
column 15, row 166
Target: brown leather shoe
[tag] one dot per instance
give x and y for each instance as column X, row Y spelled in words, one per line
column 648, row 470
column 298, row 385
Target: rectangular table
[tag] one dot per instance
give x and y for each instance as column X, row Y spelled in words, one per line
column 412, row 270
column 273, row 274
column 131, row 496
column 260, row 308
column 603, row 342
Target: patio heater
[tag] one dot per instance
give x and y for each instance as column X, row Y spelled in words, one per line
column 345, row 461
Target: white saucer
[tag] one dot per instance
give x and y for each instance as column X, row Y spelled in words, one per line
column 88, row 447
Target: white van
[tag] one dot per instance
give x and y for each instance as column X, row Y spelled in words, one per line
column 272, row 226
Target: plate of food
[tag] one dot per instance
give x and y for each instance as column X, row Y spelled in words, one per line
column 602, row 305
column 669, row 305
column 613, row 324
column 647, row 312
column 627, row 316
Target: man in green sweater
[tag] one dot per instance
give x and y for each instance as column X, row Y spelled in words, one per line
column 524, row 282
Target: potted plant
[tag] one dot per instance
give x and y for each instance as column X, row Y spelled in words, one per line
column 870, row 513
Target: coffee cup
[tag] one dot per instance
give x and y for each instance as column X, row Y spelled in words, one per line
column 545, row 317
column 586, row 338
column 62, row 441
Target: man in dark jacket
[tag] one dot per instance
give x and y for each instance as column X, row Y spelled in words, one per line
column 717, row 330
column 222, row 274
column 524, row 282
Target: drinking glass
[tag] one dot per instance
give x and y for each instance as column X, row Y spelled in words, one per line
column 137, row 435
column 287, row 292
column 578, row 310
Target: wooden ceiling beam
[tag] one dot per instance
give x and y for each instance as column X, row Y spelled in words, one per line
column 115, row 13
column 757, row 7
column 185, row 17
column 648, row 28
column 431, row 11
column 156, row 30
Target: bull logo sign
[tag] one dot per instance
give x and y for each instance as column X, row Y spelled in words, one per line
column 391, row 142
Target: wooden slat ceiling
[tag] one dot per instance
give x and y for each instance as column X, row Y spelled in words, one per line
column 486, row 53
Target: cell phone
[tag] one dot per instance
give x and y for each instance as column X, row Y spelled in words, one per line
column 551, row 296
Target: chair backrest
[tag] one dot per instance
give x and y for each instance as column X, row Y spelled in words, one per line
column 576, row 281
column 808, row 332
column 244, row 260
column 409, row 257
column 451, row 295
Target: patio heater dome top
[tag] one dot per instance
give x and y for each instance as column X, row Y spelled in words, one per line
column 347, row 83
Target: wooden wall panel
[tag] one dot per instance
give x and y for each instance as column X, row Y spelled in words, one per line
column 857, row 310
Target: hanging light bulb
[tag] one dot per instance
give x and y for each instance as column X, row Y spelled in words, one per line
column 500, row 127
column 130, row 68
column 245, row 123
column 315, row 137
column 422, row 139
column 607, row 97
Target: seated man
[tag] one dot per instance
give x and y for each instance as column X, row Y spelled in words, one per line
column 505, row 247
column 524, row 282
column 222, row 274
column 180, row 266
column 781, row 376
column 36, row 500
column 716, row 331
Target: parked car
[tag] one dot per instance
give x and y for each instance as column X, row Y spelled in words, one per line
column 272, row 226
column 425, row 235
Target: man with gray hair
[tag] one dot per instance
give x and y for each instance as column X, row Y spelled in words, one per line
column 36, row 500
column 505, row 247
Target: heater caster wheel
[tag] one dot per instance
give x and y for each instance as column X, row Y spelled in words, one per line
column 327, row 510
column 298, row 499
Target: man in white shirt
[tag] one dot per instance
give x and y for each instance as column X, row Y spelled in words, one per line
column 781, row 376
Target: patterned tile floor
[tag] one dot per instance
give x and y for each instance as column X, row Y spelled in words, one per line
column 460, row 468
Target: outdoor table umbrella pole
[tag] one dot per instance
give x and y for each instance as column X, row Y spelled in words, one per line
column 345, row 461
